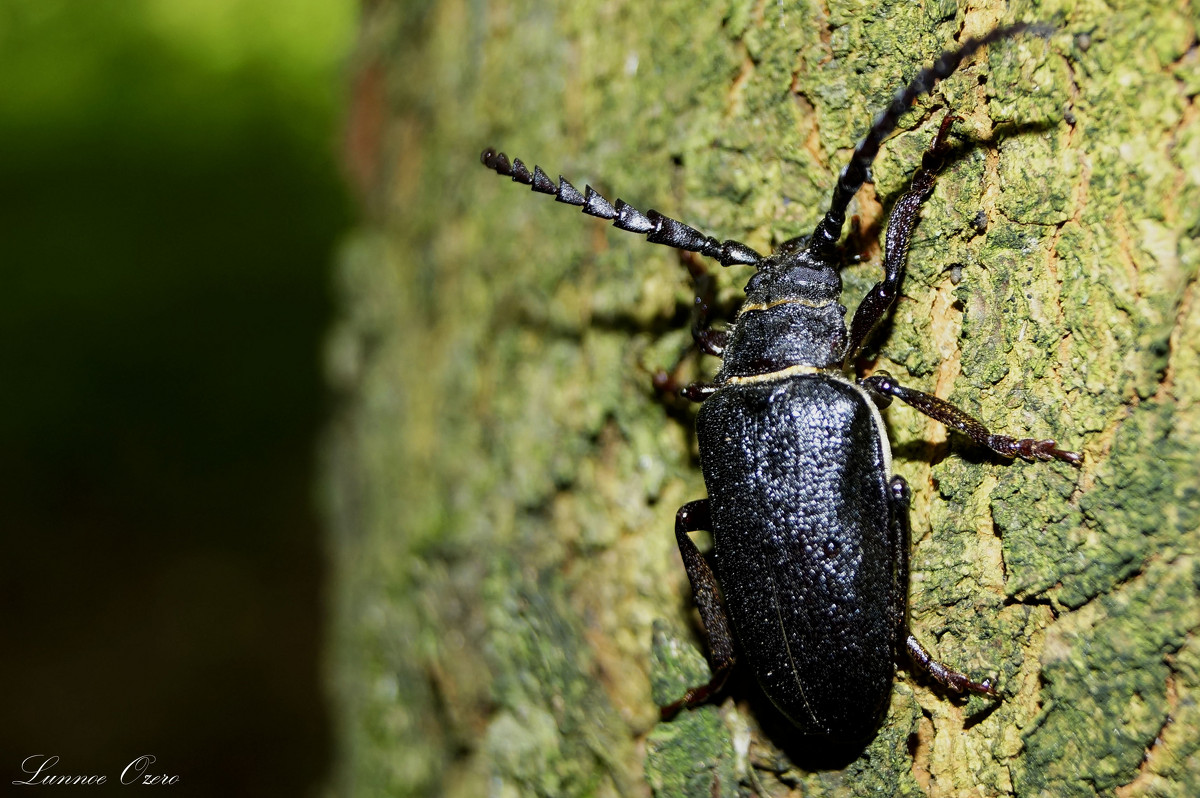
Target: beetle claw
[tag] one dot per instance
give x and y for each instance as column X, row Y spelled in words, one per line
column 986, row 687
column 1048, row 450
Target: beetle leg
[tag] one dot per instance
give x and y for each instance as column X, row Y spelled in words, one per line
column 693, row 517
column 879, row 300
column 708, row 340
column 954, row 418
column 698, row 392
column 899, row 543
column 947, row 677
column 668, row 383
column 705, row 339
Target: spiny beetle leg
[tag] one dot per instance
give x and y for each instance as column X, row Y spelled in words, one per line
column 693, row 517
column 879, row 300
column 951, row 679
column 954, row 418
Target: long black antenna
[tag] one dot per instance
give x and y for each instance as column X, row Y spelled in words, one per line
column 657, row 228
column 828, row 230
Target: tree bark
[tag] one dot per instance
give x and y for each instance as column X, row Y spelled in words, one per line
column 508, row 606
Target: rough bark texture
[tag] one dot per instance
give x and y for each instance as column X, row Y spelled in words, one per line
column 508, row 604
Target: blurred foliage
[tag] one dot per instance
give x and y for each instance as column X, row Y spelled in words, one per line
column 144, row 63
column 169, row 199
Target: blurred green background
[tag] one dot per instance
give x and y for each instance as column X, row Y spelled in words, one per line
column 169, row 205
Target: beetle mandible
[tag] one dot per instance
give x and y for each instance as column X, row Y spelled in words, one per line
column 809, row 526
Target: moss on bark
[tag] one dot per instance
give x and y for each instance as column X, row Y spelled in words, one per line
column 501, row 480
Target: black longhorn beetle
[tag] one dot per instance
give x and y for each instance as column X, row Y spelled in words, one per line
column 810, row 528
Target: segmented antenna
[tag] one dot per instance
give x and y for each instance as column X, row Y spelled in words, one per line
column 657, row 228
column 828, row 230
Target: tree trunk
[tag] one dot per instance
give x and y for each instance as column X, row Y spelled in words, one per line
column 508, row 604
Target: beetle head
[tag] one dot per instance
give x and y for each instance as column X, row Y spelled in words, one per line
column 794, row 271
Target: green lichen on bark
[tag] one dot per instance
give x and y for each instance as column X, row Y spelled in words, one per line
column 501, row 481
column 1109, row 723
column 692, row 757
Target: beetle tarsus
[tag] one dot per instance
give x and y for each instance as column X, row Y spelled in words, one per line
column 950, row 679
column 1032, row 449
column 697, row 695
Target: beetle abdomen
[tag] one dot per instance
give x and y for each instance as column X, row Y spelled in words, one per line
column 797, row 471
